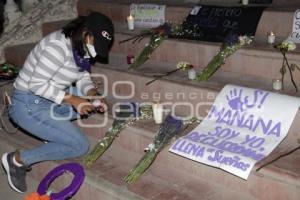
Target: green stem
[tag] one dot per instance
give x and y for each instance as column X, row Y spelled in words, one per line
column 149, row 157
column 103, row 144
column 217, row 61
column 211, row 68
column 161, row 76
column 291, row 72
column 154, row 43
column 138, row 37
column 282, row 71
column 141, row 167
column 98, row 150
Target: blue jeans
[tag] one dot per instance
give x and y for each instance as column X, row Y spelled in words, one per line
column 50, row 122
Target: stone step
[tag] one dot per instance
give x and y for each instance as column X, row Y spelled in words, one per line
column 259, row 60
column 276, row 18
column 278, row 172
column 277, row 181
column 94, row 186
column 104, row 179
column 9, row 193
column 117, row 71
column 283, row 174
column 177, row 87
column 177, row 82
column 174, row 88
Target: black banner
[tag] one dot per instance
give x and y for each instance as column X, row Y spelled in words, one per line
column 261, row 1
column 213, row 23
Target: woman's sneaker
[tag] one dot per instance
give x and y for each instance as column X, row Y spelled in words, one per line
column 16, row 175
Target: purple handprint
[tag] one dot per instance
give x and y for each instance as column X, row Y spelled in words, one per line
column 235, row 99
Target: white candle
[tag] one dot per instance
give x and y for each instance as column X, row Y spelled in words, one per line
column 96, row 103
column 192, row 74
column 271, row 38
column 245, row 2
column 277, row 84
column 158, row 113
column 130, row 22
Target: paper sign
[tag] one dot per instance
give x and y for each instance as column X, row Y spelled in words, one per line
column 243, row 126
column 148, row 15
column 295, row 36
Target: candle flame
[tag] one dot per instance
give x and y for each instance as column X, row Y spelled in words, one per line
column 130, row 17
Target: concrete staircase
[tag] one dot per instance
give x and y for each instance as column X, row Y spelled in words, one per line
column 172, row 177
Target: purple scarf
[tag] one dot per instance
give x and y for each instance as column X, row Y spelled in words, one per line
column 83, row 63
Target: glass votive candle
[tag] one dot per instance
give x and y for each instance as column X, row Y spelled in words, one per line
column 130, row 22
column 245, row 2
column 277, row 84
column 191, row 74
column 158, row 113
column 271, row 38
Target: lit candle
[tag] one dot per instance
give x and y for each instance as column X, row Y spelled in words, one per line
column 158, row 113
column 271, row 37
column 130, row 21
column 277, row 84
column 99, row 106
column 191, row 74
column 245, row 2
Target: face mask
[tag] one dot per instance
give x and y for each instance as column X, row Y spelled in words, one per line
column 91, row 51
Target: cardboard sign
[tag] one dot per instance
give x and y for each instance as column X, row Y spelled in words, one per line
column 295, row 36
column 148, row 15
column 243, row 126
column 213, row 23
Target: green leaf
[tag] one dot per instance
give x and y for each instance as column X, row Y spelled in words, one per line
column 283, row 70
column 154, row 43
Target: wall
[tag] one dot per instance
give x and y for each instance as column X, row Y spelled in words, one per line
column 22, row 28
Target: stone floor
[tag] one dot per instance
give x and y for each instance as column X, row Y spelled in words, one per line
column 8, row 193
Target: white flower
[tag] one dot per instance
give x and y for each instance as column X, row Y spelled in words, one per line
column 157, row 39
column 150, row 147
column 289, row 45
column 183, row 65
column 243, row 40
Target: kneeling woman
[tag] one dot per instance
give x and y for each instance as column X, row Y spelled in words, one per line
column 43, row 103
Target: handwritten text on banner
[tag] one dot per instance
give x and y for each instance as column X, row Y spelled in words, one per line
column 295, row 36
column 243, row 126
column 148, row 15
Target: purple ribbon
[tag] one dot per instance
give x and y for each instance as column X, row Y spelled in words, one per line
column 83, row 63
column 70, row 190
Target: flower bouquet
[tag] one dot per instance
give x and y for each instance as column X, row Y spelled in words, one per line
column 285, row 47
column 170, row 128
column 125, row 116
column 157, row 36
column 180, row 66
column 231, row 44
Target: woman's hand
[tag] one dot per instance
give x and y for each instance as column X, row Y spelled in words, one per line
column 98, row 101
column 100, row 105
column 82, row 106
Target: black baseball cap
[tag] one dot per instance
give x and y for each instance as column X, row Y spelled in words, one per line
column 103, row 31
